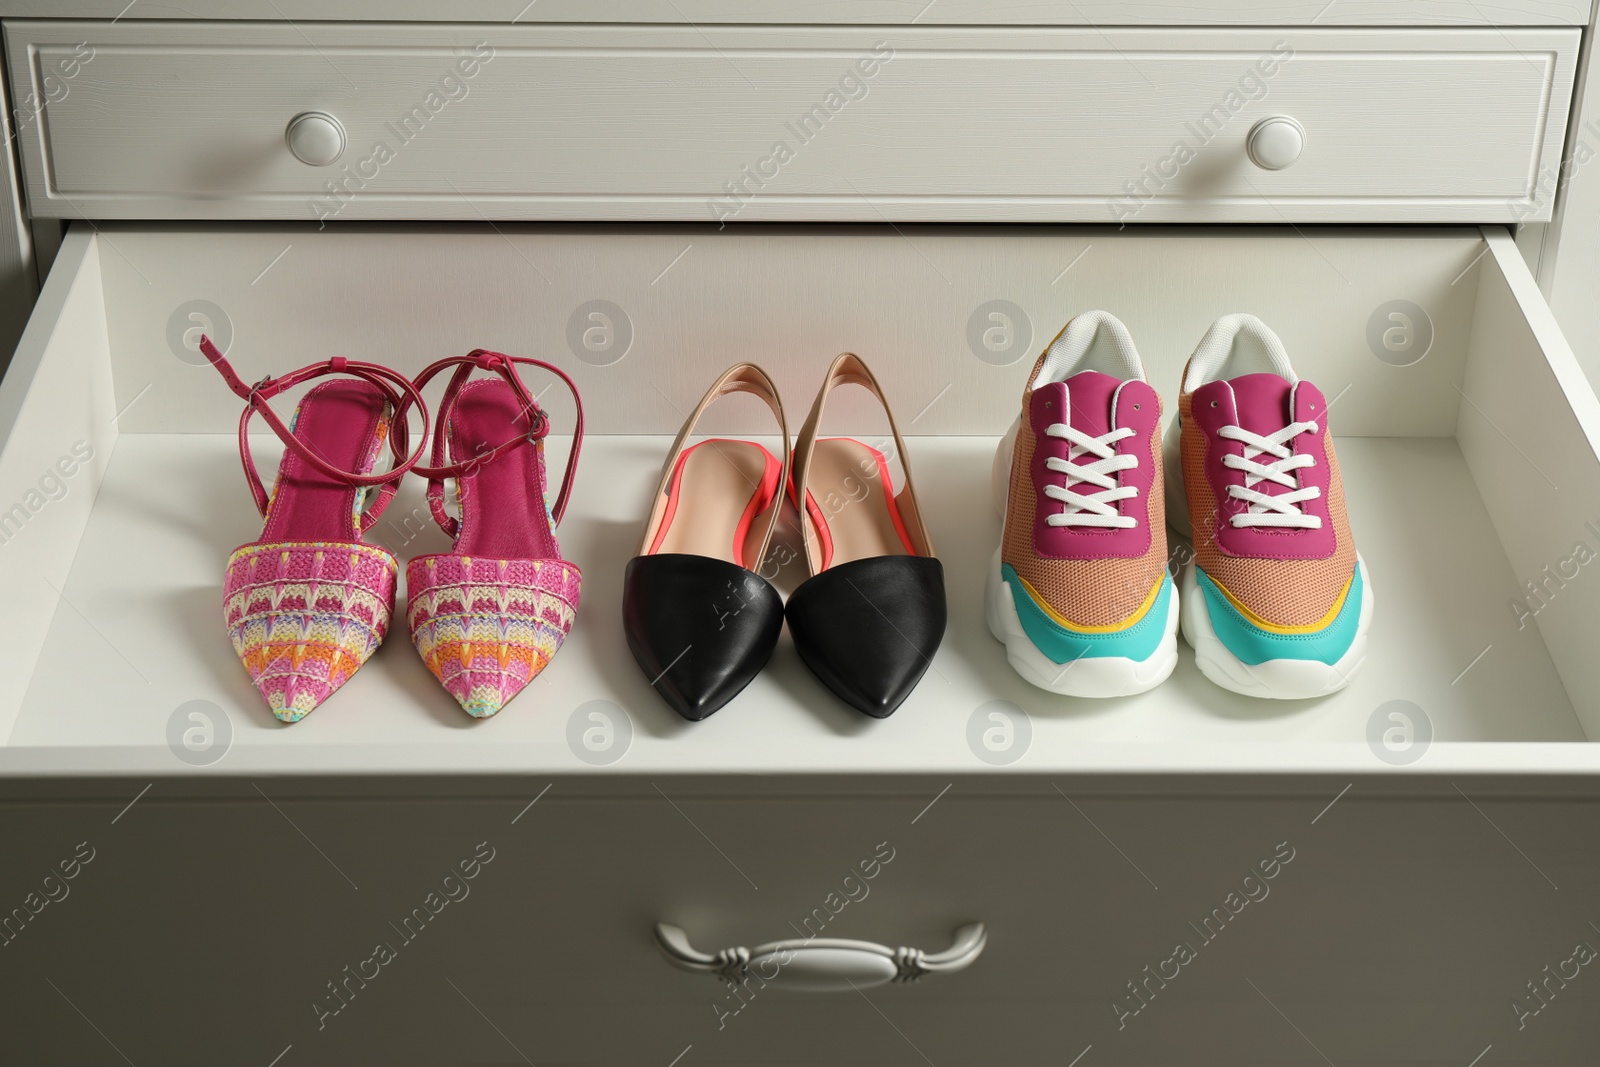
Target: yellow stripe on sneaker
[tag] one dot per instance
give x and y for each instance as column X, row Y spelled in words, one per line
column 1273, row 628
column 1057, row 618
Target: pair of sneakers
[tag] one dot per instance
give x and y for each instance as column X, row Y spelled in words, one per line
column 1275, row 601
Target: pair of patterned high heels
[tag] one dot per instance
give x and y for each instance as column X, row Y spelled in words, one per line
column 310, row 601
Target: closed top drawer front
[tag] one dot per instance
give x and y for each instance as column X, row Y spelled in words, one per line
column 873, row 12
column 170, row 120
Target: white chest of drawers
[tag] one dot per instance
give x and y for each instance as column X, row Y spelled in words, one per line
column 1411, row 911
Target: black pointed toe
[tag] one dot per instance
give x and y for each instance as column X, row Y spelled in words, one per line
column 868, row 629
column 700, row 622
column 700, row 628
column 872, row 615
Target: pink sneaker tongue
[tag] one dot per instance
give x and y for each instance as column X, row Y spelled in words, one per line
column 1262, row 402
column 1090, row 393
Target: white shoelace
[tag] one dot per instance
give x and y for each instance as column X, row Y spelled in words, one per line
column 1284, row 508
column 1090, row 509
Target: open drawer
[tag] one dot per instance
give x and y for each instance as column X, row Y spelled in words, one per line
column 1467, row 437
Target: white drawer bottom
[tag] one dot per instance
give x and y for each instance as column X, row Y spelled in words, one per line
column 144, row 590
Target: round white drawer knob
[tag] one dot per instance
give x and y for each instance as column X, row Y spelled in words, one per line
column 315, row 137
column 1276, row 142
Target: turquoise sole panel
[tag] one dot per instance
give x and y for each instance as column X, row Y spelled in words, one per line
column 1253, row 645
column 1061, row 645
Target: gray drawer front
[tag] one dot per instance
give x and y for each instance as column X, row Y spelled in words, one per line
column 1403, row 929
column 187, row 120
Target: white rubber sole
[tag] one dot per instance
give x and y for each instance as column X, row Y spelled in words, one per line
column 1276, row 679
column 1097, row 677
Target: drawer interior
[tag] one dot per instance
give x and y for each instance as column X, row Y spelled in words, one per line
column 1467, row 440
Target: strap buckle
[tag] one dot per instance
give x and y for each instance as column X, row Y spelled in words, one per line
column 540, row 427
column 264, row 383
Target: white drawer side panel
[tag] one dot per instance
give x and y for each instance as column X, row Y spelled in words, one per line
column 1530, row 433
column 57, row 428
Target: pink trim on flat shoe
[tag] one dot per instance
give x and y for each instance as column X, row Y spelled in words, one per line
column 820, row 520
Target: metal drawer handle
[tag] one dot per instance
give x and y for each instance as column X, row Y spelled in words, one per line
column 822, row 964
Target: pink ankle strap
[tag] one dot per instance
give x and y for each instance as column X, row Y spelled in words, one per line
column 538, row 426
column 256, row 397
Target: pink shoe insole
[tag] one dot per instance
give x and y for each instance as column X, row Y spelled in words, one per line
column 503, row 512
column 851, row 504
column 337, row 422
column 718, row 501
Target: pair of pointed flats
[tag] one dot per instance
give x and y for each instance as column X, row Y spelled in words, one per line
column 310, row 601
column 699, row 609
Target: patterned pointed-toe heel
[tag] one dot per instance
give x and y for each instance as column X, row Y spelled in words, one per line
column 309, row 602
column 488, row 615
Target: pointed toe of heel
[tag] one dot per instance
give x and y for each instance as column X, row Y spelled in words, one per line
column 482, row 707
column 292, row 703
column 700, row 628
column 485, row 628
column 869, row 628
column 303, row 617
